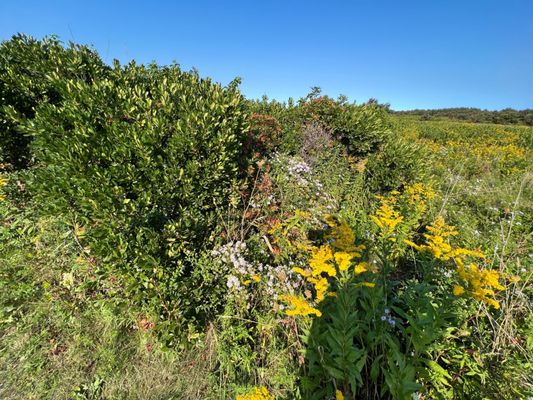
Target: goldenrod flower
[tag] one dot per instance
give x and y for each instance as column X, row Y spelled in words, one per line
column 418, row 195
column 361, row 267
column 321, row 286
column 260, row 393
column 300, row 306
column 480, row 283
column 319, row 262
column 338, row 395
column 3, row 182
column 343, row 260
column 438, row 246
column 338, row 253
column 342, row 237
column 386, row 218
column 458, row 290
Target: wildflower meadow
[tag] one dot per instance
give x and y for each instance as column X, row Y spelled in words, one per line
column 164, row 237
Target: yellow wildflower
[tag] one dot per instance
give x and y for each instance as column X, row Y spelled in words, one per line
column 439, row 228
column 458, row 290
column 480, row 283
column 300, row 306
column 361, row 267
column 418, row 195
column 256, row 278
column 323, row 263
column 342, row 237
column 386, row 218
column 321, row 286
column 260, row 393
column 343, row 260
column 320, row 261
column 3, row 182
column 438, row 246
column 338, row 395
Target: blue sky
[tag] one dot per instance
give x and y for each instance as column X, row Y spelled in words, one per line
column 411, row 54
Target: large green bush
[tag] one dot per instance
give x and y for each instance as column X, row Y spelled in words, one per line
column 362, row 128
column 25, row 68
column 140, row 160
column 365, row 127
column 398, row 161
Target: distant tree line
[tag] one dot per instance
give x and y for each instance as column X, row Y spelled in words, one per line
column 505, row 116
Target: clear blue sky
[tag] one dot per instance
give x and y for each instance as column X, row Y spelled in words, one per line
column 411, row 54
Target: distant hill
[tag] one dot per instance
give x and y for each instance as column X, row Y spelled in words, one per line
column 506, row 116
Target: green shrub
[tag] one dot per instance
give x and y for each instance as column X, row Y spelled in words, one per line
column 141, row 159
column 25, row 68
column 363, row 128
column 398, row 161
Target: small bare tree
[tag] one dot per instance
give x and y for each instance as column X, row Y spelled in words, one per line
column 314, row 140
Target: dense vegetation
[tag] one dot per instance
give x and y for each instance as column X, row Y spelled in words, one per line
column 162, row 237
column 506, row 116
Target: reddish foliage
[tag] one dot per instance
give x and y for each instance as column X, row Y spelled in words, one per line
column 264, row 136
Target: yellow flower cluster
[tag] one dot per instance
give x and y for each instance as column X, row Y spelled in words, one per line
column 437, row 243
column 342, row 238
column 325, row 260
column 300, row 306
column 386, row 217
column 478, row 283
column 418, row 194
column 339, row 395
column 3, row 182
column 260, row 393
column 320, row 265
